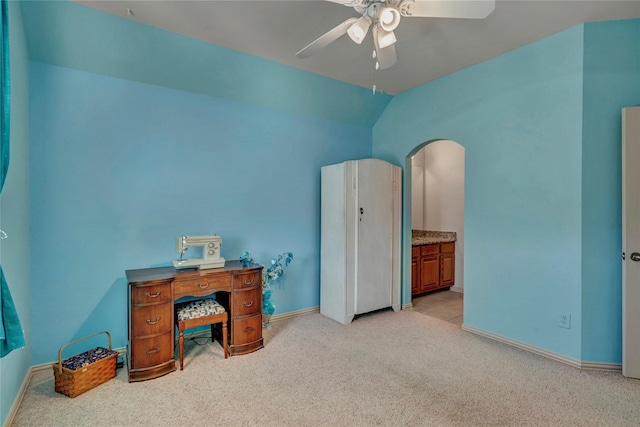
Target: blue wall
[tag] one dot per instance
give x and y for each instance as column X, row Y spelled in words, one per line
column 119, row 169
column 14, row 205
column 520, row 118
column 611, row 82
column 70, row 35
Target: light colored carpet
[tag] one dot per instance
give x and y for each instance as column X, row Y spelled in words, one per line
column 385, row 369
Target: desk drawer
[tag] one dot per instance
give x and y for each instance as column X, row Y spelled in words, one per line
column 201, row 286
column 151, row 319
column 152, row 351
column 246, row 330
column 249, row 279
column 247, row 302
column 151, row 294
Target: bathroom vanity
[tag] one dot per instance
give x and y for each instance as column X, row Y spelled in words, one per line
column 432, row 260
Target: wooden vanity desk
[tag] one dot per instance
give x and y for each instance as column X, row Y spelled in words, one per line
column 152, row 292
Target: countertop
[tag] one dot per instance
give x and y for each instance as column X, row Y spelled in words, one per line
column 427, row 237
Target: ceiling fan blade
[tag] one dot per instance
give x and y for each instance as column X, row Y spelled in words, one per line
column 385, row 56
column 350, row 3
column 473, row 9
column 327, row 38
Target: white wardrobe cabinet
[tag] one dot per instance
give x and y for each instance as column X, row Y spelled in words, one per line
column 360, row 238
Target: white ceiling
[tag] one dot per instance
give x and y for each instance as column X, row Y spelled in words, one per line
column 427, row 48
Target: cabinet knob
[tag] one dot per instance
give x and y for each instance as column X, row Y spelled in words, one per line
column 247, row 305
column 205, row 286
column 157, row 294
column 635, row 256
column 249, row 282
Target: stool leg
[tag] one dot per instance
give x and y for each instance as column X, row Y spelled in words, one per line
column 181, row 341
column 224, row 338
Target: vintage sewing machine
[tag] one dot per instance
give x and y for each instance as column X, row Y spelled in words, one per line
column 210, row 252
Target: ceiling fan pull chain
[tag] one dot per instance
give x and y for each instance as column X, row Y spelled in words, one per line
column 374, row 82
column 374, row 55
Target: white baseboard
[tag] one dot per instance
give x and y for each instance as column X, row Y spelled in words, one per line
column 542, row 352
column 292, row 314
column 407, row 306
column 16, row 403
column 456, row 289
column 599, row 366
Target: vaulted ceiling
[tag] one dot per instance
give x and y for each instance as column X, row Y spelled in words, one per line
column 427, row 48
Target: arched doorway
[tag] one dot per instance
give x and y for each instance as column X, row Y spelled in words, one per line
column 437, row 208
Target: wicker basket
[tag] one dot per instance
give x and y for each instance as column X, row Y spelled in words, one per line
column 74, row 382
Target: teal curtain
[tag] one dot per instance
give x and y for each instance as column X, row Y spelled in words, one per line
column 11, row 336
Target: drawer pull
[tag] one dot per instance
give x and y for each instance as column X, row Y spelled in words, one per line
column 205, row 286
column 153, row 351
column 247, row 305
column 249, row 282
column 157, row 294
column 149, row 321
column 249, row 329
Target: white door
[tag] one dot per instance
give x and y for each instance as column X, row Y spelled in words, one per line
column 375, row 231
column 631, row 242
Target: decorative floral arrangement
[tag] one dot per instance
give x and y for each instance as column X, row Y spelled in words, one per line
column 269, row 275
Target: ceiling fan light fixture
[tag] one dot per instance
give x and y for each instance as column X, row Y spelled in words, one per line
column 388, row 18
column 385, row 38
column 358, row 31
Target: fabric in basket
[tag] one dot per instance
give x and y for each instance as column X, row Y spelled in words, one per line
column 199, row 308
column 87, row 358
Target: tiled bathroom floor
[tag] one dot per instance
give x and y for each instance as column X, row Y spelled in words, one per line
column 444, row 305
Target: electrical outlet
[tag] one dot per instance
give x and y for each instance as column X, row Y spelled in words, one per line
column 565, row 320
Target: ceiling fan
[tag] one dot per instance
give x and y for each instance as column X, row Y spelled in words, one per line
column 384, row 16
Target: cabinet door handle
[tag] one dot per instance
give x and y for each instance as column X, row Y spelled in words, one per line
column 247, row 305
column 157, row 294
column 249, row 282
column 205, row 286
column 149, row 321
column 249, row 329
column 153, row 351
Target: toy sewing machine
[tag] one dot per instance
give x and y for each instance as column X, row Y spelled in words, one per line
column 210, row 252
